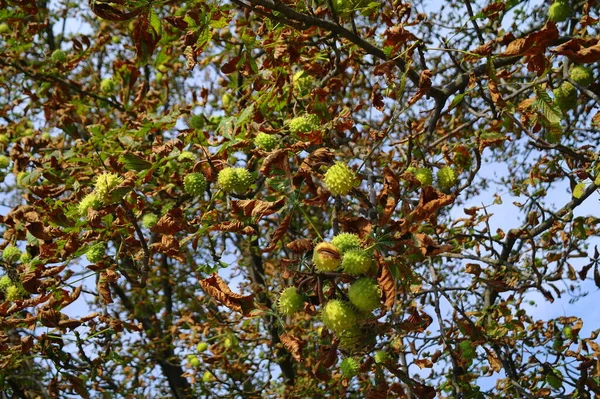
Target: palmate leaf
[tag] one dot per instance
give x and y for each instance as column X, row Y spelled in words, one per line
column 547, row 107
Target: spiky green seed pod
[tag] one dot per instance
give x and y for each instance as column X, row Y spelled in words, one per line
column 14, row 293
column 381, row 357
column 338, row 316
column 235, row 180
column 149, row 220
column 5, row 282
column 326, row 257
column 194, row 183
column 290, row 301
column 4, row 28
column 4, row 161
column 350, row 367
column 197, row 122
column 11, row 253
column 565, row 96
column 559, row 11
column 226, row 100
column 4, row 140
column 467, row 350
column 302, row 82
column 304, row 124
column 108, row 85
column 340, row 179
column 186, row 156
column 59, row 56
column 96, row 252
column 346, row 241
column 202, row 346
column 105, row 183
column 446, row 177
column 25, row 257
column 266, row 142
column 91, row 200
column 424, row 175
column 582, row 75
column 356, row 262
column 365, row 294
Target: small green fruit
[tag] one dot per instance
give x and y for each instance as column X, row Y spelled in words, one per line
column 59, row 56
column 149, row 220
column 4, row 161
column 108, row 85
column 226, row 100
column 115, row 39
column 424, row 175
column 266, row 142
column 235, row 180
column 4, row 28
column 381, row 357
column 194, row 183
column 340, row 179
column 365, row 294
column 304, row 124
column 5, row 282
column 565, row 96
column 290, row 301
column 346, row 241
column 568, row 332
column 96, row 252
column 159, row 77
column 356, row 262
column 326, row 257
column 208, row 377
column 105, row 184
column 14, row 293
column 202, row 346
column 349, row 367
column 302, row 82
column 446, row 178
column 91, row 200
column 25, row 257
column 194, row 361
column 559, row 11
column 229, row 343
column 11, row 253
column 162, row 68
column 582, row 75
column 186, row 156
column 338, row 316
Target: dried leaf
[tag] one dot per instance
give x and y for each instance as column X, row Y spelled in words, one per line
column 386, row 282
column 534, row 43
column 293, row 345
column 430, row 202
column 300, row 245
column 495, row 363
column 218, row 289
column 279, row 233
column 580, row 50
column 423, row 87
column 257, row 208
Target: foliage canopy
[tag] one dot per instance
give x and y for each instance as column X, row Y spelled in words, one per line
column 170, row 168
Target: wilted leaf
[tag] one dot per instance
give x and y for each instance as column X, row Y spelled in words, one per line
column 535, row 42
column 580, row 50
column 386, row 282
column 257, row 208
column 293, row 345
column 218, row 289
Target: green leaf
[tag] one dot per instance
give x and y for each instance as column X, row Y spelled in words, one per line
column 154, row 21
column 457, row 100
column 133, row 162
column 547, row 107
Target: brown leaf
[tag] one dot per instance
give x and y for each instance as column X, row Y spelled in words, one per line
column 145, row 37
column 423, row 87
column 377, row 98
column 110, row 13
column 103, row 287
column 424, row 363
column 218, row 289
column 26, row 344
column 257, row 208
column 385, row 68
column 293, row 345
column 534, row 43
column 495, row 363
column 495, row 93
column 300, row 245
column 386, row 282
column 417, row 322
column 279, row 233
column 172, row 222
column 580, row 50
column 389, row 195
column 321, row 156
column 177, row 22
column 596, row 275
column 230, row 66
column 430, row 202
column 78, row 385
column 275, row 160
column 428, row 246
